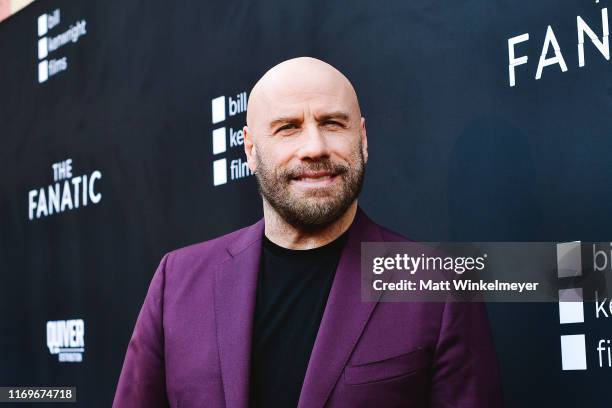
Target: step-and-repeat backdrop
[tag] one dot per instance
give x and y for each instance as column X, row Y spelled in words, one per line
column 120, row 139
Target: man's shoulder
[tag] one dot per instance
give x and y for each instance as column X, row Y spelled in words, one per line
column 389, row 235
column 215, row 248
column 369, row 230
column 392, row 236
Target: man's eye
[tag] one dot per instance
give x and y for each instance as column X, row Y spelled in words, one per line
column 332, row 123
column 287, row 126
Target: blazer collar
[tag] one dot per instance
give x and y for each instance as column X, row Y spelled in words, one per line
column 344, row 318
column 343, row 321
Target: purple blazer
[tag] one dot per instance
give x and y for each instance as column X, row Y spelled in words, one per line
column 191, row 343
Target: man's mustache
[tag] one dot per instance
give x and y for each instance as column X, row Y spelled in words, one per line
column 322, row 166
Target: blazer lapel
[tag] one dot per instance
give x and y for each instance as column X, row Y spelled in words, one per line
column 235, row 291
column 344, row 318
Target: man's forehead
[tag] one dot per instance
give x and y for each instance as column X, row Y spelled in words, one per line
column 295, row 86
column 299, row 102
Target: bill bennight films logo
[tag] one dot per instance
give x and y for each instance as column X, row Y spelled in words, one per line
column 66, row 339
column 228, row 117
column 576, row 344
column 68, row 192
column 48, row 44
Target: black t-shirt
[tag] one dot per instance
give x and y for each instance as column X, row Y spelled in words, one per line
column 292, row 290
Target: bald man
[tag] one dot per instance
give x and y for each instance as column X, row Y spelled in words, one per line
column 271, row 315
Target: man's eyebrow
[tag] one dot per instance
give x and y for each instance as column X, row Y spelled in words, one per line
column 341, row 115
column 284, row 119
column 333, row 115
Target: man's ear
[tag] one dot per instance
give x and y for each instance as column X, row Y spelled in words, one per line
column 364, row 140
column 249, row 148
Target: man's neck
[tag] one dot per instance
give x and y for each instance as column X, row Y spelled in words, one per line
column 283, row 234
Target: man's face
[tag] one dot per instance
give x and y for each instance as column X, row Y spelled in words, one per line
column 309, row 152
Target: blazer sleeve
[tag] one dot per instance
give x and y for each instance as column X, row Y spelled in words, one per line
column 142, row 382
column 466, row 373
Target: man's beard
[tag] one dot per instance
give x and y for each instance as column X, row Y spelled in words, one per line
column 318, row 208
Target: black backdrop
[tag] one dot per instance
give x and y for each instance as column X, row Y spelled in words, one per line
column 456, row 154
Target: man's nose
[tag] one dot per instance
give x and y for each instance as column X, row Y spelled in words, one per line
column 313, row 143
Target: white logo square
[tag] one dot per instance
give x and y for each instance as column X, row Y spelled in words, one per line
column 42, row 25
column 218, row 109
column 219, row 172
column 219, row 140
column 43, row 71
column 42, row 48
column 569, row 259
column 573, row 352
column 571, row 308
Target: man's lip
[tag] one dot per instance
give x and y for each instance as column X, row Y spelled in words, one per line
column 313, row 175
column 315, row 179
